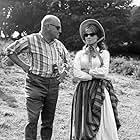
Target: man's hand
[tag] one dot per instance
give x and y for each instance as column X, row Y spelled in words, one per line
column 26, row 68
column 17, row 61
column 62, row 76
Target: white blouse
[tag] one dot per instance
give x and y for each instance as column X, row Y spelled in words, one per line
column 81, row 62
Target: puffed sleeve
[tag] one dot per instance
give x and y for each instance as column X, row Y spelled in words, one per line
column 78, row 73
column 101, row 72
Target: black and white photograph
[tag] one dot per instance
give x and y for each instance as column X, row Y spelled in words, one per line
column 69, row 69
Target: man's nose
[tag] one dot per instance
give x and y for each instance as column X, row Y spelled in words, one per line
column 60, row 30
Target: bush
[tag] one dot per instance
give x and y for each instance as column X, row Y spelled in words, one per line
column 125, row 66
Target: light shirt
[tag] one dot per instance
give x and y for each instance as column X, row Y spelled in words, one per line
column 41, row 55
column 81, row 63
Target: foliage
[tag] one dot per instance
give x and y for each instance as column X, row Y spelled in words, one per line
column 126, row 66
column 134, row 24
column 24, row 16
column 111, row 13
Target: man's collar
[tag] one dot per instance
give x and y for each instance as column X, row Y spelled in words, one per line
column 43, row 38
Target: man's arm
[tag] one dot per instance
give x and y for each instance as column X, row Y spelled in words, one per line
column 66, row 65
column 17, row 47
column 17, row 61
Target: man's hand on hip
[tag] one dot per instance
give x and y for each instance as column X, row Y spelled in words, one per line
column 62, row 76
column 26, row 68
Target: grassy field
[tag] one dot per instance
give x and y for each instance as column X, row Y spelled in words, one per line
column 13, row 117
column 13, row 111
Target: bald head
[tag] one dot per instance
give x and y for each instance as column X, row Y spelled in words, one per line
column 50, row 27
column 49, row 19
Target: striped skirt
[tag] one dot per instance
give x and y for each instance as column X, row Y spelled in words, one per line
column 94, row 113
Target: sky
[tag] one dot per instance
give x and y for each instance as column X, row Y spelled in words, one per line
column 136, row 2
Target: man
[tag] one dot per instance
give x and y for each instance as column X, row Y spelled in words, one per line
column 44, row 52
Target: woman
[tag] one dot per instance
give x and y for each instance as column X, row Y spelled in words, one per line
column 94, row 108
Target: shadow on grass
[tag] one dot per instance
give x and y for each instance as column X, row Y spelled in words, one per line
column 11, row 101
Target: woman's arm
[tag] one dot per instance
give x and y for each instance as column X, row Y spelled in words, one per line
column 102, row 72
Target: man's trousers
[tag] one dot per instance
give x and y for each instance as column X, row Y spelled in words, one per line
column 41, row 98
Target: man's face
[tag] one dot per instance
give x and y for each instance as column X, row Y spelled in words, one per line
column 54, row 29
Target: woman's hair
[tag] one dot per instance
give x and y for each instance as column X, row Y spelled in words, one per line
column 94, row 29
column 102, row 45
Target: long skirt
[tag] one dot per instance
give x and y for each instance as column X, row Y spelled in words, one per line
column 107, row 129
column 93, row 112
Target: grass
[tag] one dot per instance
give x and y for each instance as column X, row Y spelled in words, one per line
column 13, row 115
column 124, row 73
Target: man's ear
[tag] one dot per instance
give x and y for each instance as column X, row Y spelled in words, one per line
column 47, row 27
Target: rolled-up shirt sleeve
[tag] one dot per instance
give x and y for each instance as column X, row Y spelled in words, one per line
column 66, row 59
column 104, row 69
column 17, row 47
column 78, row 73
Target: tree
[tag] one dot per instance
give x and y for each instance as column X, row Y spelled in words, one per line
column 112, row 14
column 22, row 16
column 134, row 24
column 25, row 16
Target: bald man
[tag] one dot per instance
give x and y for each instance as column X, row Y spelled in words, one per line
column 49, row 62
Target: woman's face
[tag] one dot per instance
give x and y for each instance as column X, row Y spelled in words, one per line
column 90, row 36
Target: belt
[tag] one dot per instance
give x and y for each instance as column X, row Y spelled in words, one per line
column 44, row 75
column 48, row 75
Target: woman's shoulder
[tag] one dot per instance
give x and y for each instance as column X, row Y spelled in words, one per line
column 80, row 52
column 105, row 52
